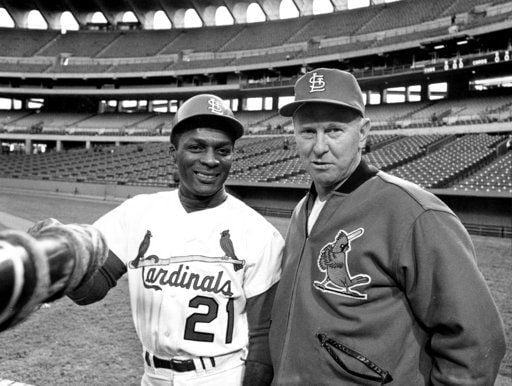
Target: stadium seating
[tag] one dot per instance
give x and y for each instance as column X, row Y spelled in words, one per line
column 496, row 177
column 422, row 35
column 22, row 43
column 263, row 35
column 155, row 123
column 143, row 43
column 258, row 59
column 141, row 66
column 11, row 116
column 47, row 120
column 459, row 158
column 471, row 111
column 401, row 151
column 389, row 113
column 144, row 164
column 200, row 63
column 79, row 68
column 77, row 43
column 334, row 49
column 461, row 6
column 307, row 36
column 449, row 112
column 417, row 12
column 334, row 25
column 111, row 121
column 24, row 67
column 251, row 118
column 467, row 162
column 82, row 123
column 205, row 39
column 374, row 142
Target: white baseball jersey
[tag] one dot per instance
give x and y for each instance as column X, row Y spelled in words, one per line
column 191, row 273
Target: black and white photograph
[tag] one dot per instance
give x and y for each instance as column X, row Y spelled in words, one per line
column 255, row 192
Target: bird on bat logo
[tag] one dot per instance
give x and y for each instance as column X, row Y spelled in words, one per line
column 143, row 247
column 229, row 250
column 333, row 260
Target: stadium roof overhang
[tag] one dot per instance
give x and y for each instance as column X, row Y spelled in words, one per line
column 114, row 10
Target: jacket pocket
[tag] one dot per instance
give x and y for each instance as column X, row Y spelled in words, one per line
column 375, row 373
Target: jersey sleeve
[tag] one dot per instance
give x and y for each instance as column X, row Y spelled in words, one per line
column 449, row 296
column 113, row 226
column 265, row 269
column 100, row 283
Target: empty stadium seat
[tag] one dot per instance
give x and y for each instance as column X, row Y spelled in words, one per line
column 467, row 163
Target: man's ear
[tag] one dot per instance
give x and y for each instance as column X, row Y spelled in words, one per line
column 363, row 132
column 172, row 151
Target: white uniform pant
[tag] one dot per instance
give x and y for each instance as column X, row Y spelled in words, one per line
column 229, row 372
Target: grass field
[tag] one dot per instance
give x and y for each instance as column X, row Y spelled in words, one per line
column 65, row 344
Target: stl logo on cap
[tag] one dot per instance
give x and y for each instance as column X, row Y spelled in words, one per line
column 215, row 106
column 316, row 83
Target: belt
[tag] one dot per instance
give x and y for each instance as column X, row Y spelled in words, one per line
column 179, row 365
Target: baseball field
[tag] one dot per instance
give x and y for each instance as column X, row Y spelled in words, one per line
column 64, row 344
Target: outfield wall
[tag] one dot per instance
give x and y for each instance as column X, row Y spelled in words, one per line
column 481, row 213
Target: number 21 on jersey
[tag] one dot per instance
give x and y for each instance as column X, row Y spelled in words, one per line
column 208, row 317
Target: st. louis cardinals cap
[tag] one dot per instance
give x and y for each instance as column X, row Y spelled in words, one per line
column 326, row 85
column 206, row 110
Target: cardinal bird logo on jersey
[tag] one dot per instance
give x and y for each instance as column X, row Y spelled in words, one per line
column 229, row 250
column 143, row 247
column 333, row 260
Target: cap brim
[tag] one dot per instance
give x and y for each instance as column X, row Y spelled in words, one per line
column 219, row 122
column 289, row 109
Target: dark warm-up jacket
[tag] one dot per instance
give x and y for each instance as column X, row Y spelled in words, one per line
column 384, row 290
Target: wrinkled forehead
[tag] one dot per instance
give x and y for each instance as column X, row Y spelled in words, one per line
column 315, row 113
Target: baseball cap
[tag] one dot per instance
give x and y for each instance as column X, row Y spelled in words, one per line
column 206, row 110
column 326, row 85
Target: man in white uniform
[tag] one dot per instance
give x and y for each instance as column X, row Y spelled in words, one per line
column 202, row 266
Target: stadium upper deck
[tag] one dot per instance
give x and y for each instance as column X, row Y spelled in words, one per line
column 495, row 110
column 302, row 40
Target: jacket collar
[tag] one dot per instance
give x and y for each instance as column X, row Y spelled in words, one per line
column 361, row 174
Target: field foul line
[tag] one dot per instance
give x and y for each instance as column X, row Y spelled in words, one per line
column 7, row 382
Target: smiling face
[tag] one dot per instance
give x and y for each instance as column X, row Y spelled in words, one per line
column 203, row 157
column 329, row 142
